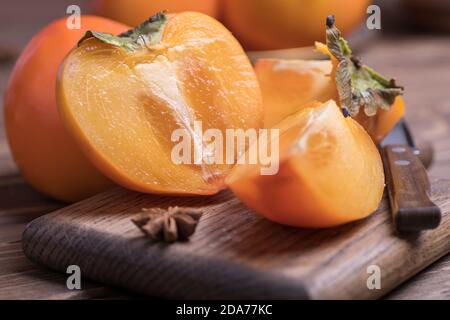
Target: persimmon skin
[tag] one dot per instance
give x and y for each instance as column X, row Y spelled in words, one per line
column 133, row 12
column 46, row 155
column 280, row 24
column 204, row 69
column 330, row 172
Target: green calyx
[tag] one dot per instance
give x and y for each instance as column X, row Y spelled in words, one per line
column 146, row 34
column 359, row 86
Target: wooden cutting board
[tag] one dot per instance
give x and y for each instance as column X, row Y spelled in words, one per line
column 234, row 253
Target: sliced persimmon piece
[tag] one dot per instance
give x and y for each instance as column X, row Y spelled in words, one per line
column 122, row 98
column 330, row 172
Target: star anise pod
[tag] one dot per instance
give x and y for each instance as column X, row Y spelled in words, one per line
column 173, row 224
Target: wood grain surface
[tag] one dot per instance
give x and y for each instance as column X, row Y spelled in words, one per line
column 234, row 253
column 420, row 62
column 20, row 278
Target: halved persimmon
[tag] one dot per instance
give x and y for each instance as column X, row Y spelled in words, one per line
column 330, row 172
column 363, row 92
column 123, row 97
column 290, row 85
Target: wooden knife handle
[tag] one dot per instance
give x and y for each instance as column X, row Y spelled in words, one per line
column 409, row 190
column 424, row 152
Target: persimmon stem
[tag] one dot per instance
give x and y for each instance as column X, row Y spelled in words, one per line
column 359, row 86
column 330, row 21
column 146, row 34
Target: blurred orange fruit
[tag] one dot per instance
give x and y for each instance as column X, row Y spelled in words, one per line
column 45, row 154
column 378, row 125
column 133, row 12
column 278, row 24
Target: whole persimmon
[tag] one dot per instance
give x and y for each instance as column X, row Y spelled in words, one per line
column 46, row 155
column 330, row 171
column 278, row 24
column 125, row 100
column 133, row 12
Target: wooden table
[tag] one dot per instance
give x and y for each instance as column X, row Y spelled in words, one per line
column 420, row 63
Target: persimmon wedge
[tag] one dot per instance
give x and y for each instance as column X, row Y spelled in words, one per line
column 123, row 97
column 330, row 172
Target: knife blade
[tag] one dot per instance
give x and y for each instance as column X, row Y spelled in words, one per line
column 407, row 183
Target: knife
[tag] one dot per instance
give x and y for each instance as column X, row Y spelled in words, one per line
column 407, row 182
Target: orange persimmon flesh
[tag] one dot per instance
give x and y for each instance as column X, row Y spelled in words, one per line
column 123, row 106
column 330, row 172
column 290, row 85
